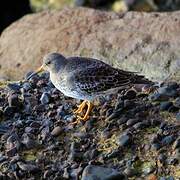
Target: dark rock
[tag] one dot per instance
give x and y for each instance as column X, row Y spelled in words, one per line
column 45, row 98
column 172, row 161
column 14, row 86
column 11, row 152
column 158, row 97
column 167, row 140
column 28, row 167
column 56, row 131
column 162, row 158
column 131, row 94
column 131, row 122
column 123, row 140
column 28, row 142
column 26, row 86
column 8, row 111
column 155, row 146
column 165, row 105
column 176, row 144
column 101, row 173
column 13, row 100
column 130, row 172
column 177, row 102
column 168, row 91
column 119, row 104
column 173, row 109
column 140, row 125
column 178, row 116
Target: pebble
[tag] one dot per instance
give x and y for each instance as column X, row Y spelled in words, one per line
column 123, row 140
column 177, row 102
column 168, row 91
column 130, row 172
column 167, row 140
column 27, row 167
column 101, row 173
column 56, row 131
column 165, row 105
column 176, row 144
column 178, row 116
column 45, row 98
column 131, row 122
column 13, row 100
column 162, row 158
column 14, row 86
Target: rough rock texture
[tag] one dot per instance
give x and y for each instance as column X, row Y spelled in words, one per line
column 144, row 42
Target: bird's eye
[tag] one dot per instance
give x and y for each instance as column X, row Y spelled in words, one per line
column 49, row 62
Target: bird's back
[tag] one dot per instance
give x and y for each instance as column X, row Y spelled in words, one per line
column 93, row 76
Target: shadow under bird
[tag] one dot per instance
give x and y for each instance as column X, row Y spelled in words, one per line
column 86, row 78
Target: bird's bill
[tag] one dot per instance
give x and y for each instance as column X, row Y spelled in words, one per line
column 40, row 69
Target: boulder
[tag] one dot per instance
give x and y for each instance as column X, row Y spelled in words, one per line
column 144, row 42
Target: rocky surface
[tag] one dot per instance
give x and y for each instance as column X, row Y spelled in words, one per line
column 126, row 137
column 144, row 42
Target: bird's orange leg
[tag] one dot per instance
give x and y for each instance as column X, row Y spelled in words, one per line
column 80, row 107
column 86, row 116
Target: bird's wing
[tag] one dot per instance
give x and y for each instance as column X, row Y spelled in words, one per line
column 101, row 77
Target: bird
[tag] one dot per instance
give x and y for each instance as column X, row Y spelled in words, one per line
column 86, row 78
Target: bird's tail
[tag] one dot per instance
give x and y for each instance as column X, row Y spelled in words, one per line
column 140, row 79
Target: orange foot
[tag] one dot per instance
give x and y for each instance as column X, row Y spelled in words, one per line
column 80, row 110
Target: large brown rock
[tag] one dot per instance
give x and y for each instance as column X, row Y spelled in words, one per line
column 145, row 42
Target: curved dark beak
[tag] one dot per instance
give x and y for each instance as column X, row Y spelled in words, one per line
column 36, row 72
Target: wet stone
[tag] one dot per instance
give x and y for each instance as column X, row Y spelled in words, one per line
column 176, row 144
column 168, row 91
column 165, row 105
column 178, row 116
column 45, row 98
column 130, row 172
column 14, row 86
column 167, row 140
column 13, row 100
column 56, row 131
column 101, row 173
column 123, row 140
column 158, row 97
column 177, row 102
column 26, row 86
column 131, row 122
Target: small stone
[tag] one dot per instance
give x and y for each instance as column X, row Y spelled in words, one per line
column 178, row 116
column 167, row 140
column 130, row 172
column 139, row 125
column 177, row 102
column 123, row 140
column 176, row 144
column 158, row 97
column 148, row 167
column 131, row 122
column 27, row 167
column 162, row 158
column 168, row 91
column 101, row 173
column 131, row 94
column 155, row 146
column 164, row 106
column 13, row 100
column 11, row 152
column 14, row 86
column 172, row 161
column 45, row 98
column 26, row 86
column 56, row 131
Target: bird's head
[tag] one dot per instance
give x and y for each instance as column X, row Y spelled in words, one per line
column 52, row 62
